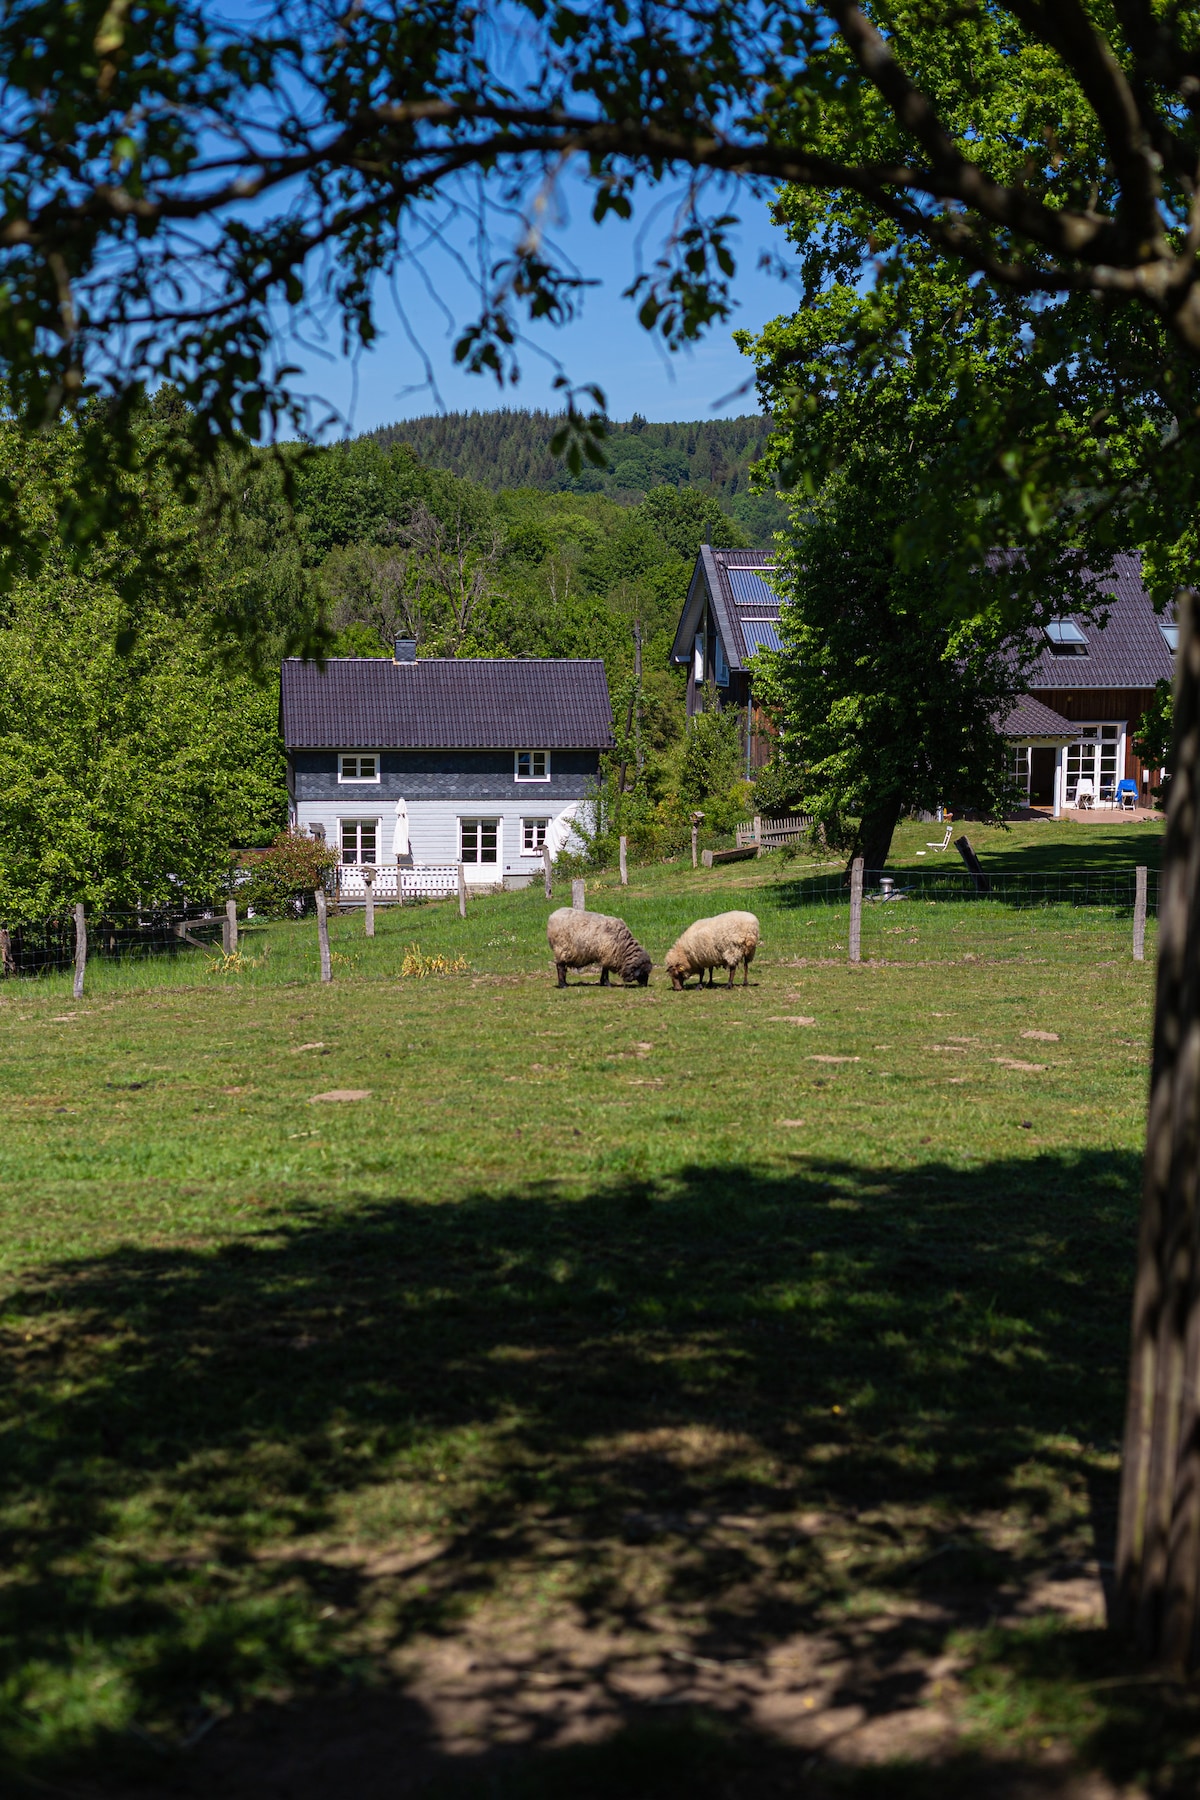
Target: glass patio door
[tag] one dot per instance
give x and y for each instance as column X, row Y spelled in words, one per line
column 1093, row 758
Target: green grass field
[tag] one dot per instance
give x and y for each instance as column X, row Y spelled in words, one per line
column 629, row 1393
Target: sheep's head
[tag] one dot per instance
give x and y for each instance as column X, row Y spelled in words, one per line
column 638, row 968
column 677, row 966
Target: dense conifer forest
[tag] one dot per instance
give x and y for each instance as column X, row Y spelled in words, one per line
column 510, row 448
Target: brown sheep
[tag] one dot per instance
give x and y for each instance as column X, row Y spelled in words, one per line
column 578, row 939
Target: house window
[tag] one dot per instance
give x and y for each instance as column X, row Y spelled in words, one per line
column 1065, row 637
column 533, row 765
column 721, row 664
column 1018, row 767
column 479, row 840
column 533, row 835
column 360, row 840
column 358, row 768
column 1093, row 759
column 1170, row 636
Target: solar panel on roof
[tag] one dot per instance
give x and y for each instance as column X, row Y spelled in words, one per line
column 761, row 634
column 749, row 589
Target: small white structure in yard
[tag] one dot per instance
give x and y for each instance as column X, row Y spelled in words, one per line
column 425, row 765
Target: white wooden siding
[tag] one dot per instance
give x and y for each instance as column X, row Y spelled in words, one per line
column 433, row 828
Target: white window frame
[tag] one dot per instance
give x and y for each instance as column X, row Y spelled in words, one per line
column 357, row 821
column 479, row 820
column 720, row 663
column 356, row 757
column 1092, row 736
column 530, row 827
column 1020, row 767
column 531, row 754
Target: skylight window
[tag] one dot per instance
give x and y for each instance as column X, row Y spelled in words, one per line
column 1065, row 637
column 1170, row 636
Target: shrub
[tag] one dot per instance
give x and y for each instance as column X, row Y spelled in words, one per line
column 281, row 882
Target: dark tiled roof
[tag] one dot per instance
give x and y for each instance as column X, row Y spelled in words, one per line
column 1030, row 718
column 442, row 703
column 1127, row 651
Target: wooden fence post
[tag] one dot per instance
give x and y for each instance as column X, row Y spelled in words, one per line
column 548, row 866
column 578, row 900
column 323, row 935
column 229, row 928
column 1139, row 916
column 695, row 844
column 462, row 891
column 624, row 862
column 80, row 949
column 856, row 887
column 369, row 919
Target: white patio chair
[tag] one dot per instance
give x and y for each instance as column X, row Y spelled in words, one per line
column 945, row 843
column 1085, row 793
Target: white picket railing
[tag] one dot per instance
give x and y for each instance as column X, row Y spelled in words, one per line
column 424, row 881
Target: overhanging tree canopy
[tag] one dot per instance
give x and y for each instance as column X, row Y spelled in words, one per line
column 168, row 178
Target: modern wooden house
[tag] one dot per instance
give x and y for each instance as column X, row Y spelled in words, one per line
column 1099, row 675
column 730, row 612
column 443, row 761
column 1091, row 681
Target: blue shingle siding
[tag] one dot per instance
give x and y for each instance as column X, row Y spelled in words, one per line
column 482, row 775
column 367, row 703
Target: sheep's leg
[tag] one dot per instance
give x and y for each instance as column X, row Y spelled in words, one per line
column 604, row 978
column 562, row 974
column 732, row 972
column 745, row 971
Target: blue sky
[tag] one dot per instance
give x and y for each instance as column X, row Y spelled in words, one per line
column 605, row 344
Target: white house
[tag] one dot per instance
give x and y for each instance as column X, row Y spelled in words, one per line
column 473, row 761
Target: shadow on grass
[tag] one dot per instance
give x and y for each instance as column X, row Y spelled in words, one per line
column 739, row 1400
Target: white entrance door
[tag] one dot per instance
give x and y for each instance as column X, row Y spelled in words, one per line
column 480, row 848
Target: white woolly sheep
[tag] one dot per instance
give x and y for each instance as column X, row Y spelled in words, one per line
column 578, row 939
column 724, row 942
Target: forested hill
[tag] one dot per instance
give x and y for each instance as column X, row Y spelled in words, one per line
column 511, row 449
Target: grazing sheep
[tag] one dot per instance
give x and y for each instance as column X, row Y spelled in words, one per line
column 578, row 939
column 724, row 942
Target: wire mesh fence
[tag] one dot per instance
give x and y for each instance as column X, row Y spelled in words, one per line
column 923, row 916
column 1111, row 889
column 47, row 946
column 939, row 915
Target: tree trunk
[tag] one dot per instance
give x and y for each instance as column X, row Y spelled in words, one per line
column 1157, row 1601
column 875, row 833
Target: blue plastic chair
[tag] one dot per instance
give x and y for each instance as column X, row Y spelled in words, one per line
column 1126, row 792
